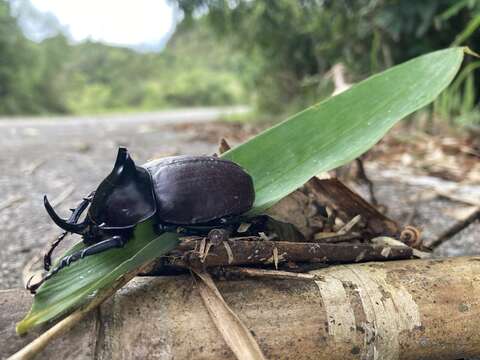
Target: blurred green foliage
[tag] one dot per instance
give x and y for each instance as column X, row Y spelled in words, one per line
column 54, row 76
column 274, row 54
column 296, row 43
column 27, row 77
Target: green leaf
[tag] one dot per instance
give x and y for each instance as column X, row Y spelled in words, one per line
column 82, row 280
column 341, row 128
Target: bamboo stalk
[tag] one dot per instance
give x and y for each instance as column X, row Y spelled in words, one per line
column 401, row 310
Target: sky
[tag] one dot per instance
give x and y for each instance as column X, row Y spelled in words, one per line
column 117, row 22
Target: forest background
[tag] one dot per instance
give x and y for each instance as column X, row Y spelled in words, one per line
column 275, row 56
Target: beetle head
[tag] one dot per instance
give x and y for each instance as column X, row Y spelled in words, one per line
column 122, row 200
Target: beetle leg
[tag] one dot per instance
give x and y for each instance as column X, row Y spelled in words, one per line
column 74, row 217
column 162, row 228
column 110, row 243
column 47, row 257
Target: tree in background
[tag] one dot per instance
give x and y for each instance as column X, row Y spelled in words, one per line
column 16, row 60
column 274, row 53
column 30, row 73
column 297, row 42
column 53, row 75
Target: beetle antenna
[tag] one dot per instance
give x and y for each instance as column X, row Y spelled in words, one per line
column 64, row 224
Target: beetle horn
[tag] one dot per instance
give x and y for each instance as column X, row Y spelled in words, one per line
column 123, row 164
column 64, row 224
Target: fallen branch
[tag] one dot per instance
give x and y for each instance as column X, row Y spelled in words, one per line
column 254, row 251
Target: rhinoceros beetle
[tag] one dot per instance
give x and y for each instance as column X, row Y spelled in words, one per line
column 194, row 193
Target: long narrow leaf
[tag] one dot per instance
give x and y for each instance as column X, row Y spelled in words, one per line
column 341, row 128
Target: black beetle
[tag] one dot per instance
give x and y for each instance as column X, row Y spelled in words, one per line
column 191, row 192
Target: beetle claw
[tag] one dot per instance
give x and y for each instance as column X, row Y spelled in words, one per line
column 33, row 287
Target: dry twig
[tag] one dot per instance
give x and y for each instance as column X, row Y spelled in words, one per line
column 233, row 330
column 273, row 274
column 455, row 229
column 333, row 238
column 348, row 226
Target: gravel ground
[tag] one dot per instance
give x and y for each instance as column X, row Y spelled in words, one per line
column 67, row 158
